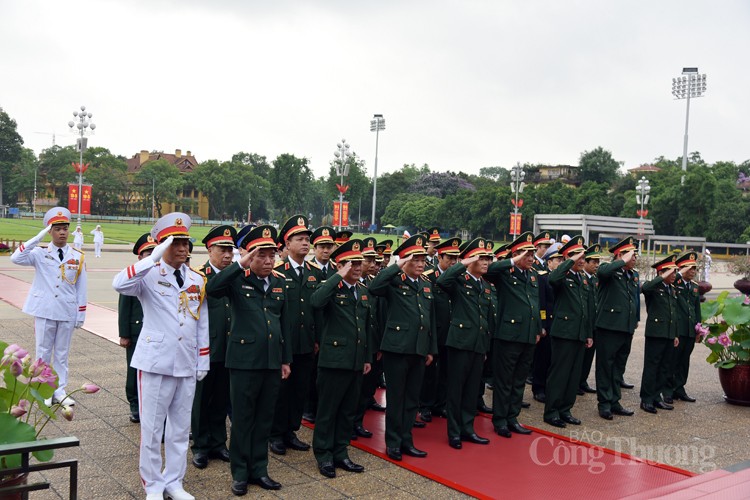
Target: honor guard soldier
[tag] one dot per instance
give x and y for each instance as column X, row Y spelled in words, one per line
column 344, row 356
column 258, row 353
column 468, row 339
column 302, row 278
column 592, row 259
column 172, row 352
column 616, row 320
column 570, row 335
column 661, row 334
column 409, row 342
column 517, row 331
column 542, row 243
column 130, row 322
column 57, row 298
column 209, row 419
column 688, row 315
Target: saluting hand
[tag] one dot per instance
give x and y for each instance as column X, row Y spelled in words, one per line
column 160, row 249
column 247, row 259
column 468, row 261
column 577, row 256
column 42, row 233
column 520, row 257
column 628, row 256
column 344, row 269
column 402, row 262
column 669, row 272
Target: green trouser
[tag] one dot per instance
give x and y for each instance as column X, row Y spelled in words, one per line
column 338, row 393
column 464, row 376
column 612, row 352
column 253, row 394
column 367, row 390
column 293, row 395
column 131, row 379
column 208, row 422
column 564, row 377
column 588, row 361
column 511, row 363
column 404, row 374
column 657, row 360
column 680, row 368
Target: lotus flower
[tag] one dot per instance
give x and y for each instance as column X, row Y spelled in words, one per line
column 13, row 354
column 90, row 388
column 67, row 413
column 21, row 409
column 724, row 340
column 711, row 340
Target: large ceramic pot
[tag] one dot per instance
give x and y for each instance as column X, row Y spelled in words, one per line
column 736, row 384
column 743, row 285
column 18, row 480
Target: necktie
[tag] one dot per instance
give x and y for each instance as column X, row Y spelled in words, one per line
column 353, row 290
column 60, row 253
column 265, row 284
column 178, row 277
column 299, row 274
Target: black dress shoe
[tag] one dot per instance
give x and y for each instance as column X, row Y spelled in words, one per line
column 326, row 469
column 295, row 444
column 200, row 460
column 377, row 407
column 277, row 447
column 685, row 397
column 239, row 488
column 354, row 437
column 349, row 466
column 625, row 385
column 663, row 406
column 362, row 432
column 474, row 438
column 419, row 425
column 425, row 415
column 267, row 483
column 556, row 422
column 606, row 414
column 648, row 407
column 483, row 408
column 529, row 380
column 136, row 418
column 540, row 396
column 413, row 452
column 570, row 419
column 393, row 453
column 668, row 400
column 524, row 404
column 580, row 392
column 519, row 429
column 308, row 417
column 440, row 413
column 588, row 388
column 623, row 411
column 503, row 431
column 222, row 454
column 455, row 442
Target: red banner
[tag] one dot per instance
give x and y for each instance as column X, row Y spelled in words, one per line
column 73, row 199
column 515, row 224
column 344, row 213
column 86, row 199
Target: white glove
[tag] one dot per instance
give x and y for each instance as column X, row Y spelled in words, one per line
column 159, row 250
column 79, row 324
column 201, row 374
column 39, row 237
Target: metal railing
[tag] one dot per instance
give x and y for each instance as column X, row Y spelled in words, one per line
column 25, row 450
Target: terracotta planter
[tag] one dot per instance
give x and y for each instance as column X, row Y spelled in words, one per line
column 736, row 384
column 13, row 481
column 743, row 285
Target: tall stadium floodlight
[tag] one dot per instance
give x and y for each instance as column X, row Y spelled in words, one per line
column 84, row 123
column 689, row 85
column 376, row 125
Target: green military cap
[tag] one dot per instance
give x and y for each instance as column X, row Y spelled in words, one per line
column 593, row 252
column 687, row 259
column 342, row 237
column 145, row 242
column 476, row 247
column 190, row 248
column 573, row 246
column 324, row 234
column 258, row 237
column 489, row 245
column 542, row 238
column 524, row 242
column 433, row 234
column 350, row 250
column 668, row 262
column 414, row 245
column 449, row 247
column 387, row 246
column 297, row 224
column 222, row 236
column 502, row 251
column 624, row 246
column 368, row 247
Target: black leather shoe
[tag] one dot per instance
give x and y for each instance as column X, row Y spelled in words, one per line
column 349, row 466
column 239, row 488
column 474, row 438
column 503, row 431
column 393, row 453
column 663, row 406
column 685, row 397
column 326, row 469
column 519, row 429
column 413, row 452
column 669, row 400
column 588, row 388
column 606, row 414
column 648, row 407
column 200, row 460
column 483, row 408
column 295, row 444
column 623, row 411
column 580, row 392
column 570, row 419
column 377, row 407
column 440, row 413
column 308, row 417
column 455, row 442
column 136, row 418
column 556, row 422
column 425, row 415
column 277, row 447
column 625, row 385
column 419, row 425
column 529, row 380
column 267, row 483
column 222, row 454
column 524, row 404
column 354, row 436
column 362, row 432
column 540, row 396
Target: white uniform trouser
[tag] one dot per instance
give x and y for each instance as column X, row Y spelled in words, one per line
column 52, row 346
column 163, row 397
column 97, row 249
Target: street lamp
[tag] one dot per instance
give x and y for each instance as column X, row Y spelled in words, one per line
column 691, row 84
column 84, row 122
column 641, row 197
column 342, row 169
column 516, row 185
column 376, row 125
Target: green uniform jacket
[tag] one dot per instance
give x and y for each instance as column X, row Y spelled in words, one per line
column 410, row 320
column 443, row 305
column 257, row 340
column 219, row 320
column 661, row 305
column 518, row 316
column 378, row 317
column 472, row 322
column 129, row 318
column 298, row 307
column 619, row 306
column 594, row 282
column 347, row 329
column 574, row 303
column 688, row 307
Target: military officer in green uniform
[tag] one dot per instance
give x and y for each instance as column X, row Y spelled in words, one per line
column 688, row 315
column 571, row 333
column 617, row 317
column 341, row 238
column 345, row 355
column 468, row 338
column 542, row 243
column 409, row 341
column 130, row 322
column 661, row 334
column 592, row 259
column 387, row 248
column 517, row 331
column 259, row 353
column 433, row 240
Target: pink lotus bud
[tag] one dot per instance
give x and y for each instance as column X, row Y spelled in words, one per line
column 90, row 388
column 12, row 354
column 711, row 340
column 747, row 300
column 16, row 368
column 21, row 409
column 67, row 413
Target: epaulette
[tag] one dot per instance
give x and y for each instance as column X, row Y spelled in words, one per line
column 77, row 250
column 279, row 263
column 428, row 272
column 361, row 284
column 198, row 271
column 277, row 274
column 313, row 264
column 542, row 273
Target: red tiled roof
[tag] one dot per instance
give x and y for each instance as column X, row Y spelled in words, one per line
column 184, row 163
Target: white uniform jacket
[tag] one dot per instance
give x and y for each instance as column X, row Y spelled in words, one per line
column 58, row 291
column 174, row 338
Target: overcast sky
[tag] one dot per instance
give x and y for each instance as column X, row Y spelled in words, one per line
column 461, row 84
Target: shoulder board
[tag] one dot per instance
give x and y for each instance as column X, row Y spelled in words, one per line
column 279, row 263
column 76, row 250
column 277, row 274
column 428, row 272
column 313, row 264
column 198, row 271
column 361, row 284
column 542, row 273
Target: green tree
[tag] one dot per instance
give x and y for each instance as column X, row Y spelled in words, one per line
column 21, row 178
column 728, row 221
column 289, row 178
column 229, row 186
column 498, row 174
column 11, row 149
column 108, row 175
column 592, row 198
column 598, row 165
column 56, row 170
column 159, row 182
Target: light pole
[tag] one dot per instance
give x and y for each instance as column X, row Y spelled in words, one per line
column 691, row 84
column 376, row 125
column 516, row 185
column 84, row 122
column 641, row 197
column 342, row 169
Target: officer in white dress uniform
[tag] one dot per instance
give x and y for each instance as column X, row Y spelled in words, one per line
column 171, row 354
column 98, row 240
column 78, row 238
column 57, row 298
